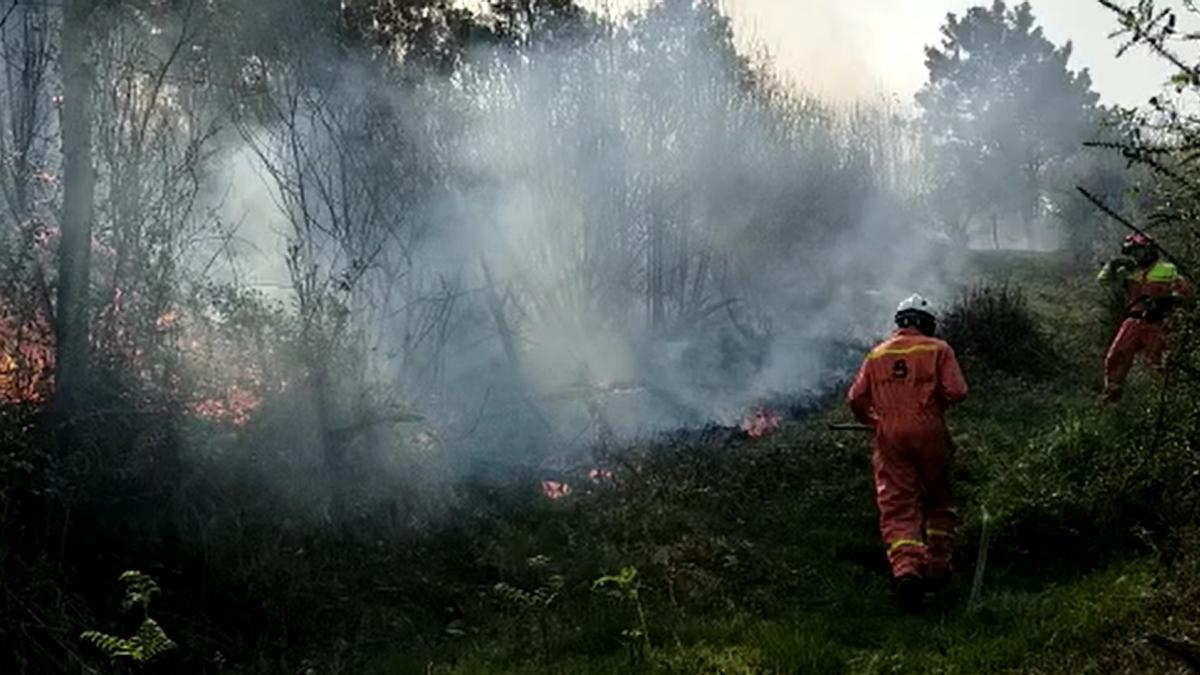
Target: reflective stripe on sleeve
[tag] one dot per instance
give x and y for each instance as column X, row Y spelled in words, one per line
column 902, row 543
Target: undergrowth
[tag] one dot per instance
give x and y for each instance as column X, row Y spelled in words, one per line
column 763, row 557
column 712, row 552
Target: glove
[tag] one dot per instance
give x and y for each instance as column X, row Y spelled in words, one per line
column 1122, row 264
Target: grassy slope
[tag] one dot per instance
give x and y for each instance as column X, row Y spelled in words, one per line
column 762, row 556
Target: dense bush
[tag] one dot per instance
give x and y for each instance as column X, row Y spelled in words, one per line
column 992, row 323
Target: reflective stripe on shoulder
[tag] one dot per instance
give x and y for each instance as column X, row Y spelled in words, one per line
column 888, row 349
column 1162, row 272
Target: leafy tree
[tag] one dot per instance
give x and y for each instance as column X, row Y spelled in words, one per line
column 544, row 22
column 1089, row 234
column 1001, row 108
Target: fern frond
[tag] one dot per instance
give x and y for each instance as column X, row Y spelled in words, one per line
column 151, row 641
column 112, row 646
column 148, row 643
column 512, row 595
column 139, row 589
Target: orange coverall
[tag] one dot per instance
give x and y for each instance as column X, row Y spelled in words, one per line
column 902, row 390
column 1141, row 330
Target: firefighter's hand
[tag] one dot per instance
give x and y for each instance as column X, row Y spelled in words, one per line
column 1121, row 264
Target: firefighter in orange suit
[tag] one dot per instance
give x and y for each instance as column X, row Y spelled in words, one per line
column 902, row 391
column 1152, row 287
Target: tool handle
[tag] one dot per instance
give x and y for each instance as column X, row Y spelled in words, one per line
column 850, row 427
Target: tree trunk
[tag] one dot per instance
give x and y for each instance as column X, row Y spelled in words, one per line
column 1032, row 209
column 74, row 263
column 654, row 267
column 958, row 228
column 333, row 444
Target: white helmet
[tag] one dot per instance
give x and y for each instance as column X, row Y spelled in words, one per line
column 914, row 305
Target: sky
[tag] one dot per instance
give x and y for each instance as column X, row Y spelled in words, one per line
column 847, row 49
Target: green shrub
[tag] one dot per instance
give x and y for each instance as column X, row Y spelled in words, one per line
column 992, row 324
column 536, row 604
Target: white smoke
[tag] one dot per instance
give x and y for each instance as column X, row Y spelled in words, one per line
column 634, row 231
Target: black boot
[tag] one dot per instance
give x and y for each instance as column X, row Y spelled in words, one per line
column 910, row 589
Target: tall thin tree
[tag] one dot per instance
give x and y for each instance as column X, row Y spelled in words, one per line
column 71, row 320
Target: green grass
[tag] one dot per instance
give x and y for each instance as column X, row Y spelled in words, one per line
column 763, row 557
column 863, row 634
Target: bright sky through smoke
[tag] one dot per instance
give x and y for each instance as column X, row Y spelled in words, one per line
column 850, row 49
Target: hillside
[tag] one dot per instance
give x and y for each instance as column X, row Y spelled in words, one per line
column 487, row 336
column 761, row 555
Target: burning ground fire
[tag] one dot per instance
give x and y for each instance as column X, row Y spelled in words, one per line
column 762, row 422
column 27, row 370
column 235, row 395
column 26, row 361
column 556, row 490
column 236, row 405
column 25, row 377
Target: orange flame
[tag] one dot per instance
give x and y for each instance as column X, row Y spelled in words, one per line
column 762, row 422
column 26, row 361
column 599, row 475
column 235, row 405
column 555, row 490
column 167, row 320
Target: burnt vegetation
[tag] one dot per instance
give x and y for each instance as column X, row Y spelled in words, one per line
column 402, row 336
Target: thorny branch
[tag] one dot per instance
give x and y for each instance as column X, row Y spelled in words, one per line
column 1099, row 203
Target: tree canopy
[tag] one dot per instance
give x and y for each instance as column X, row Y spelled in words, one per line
column 1000, row 106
